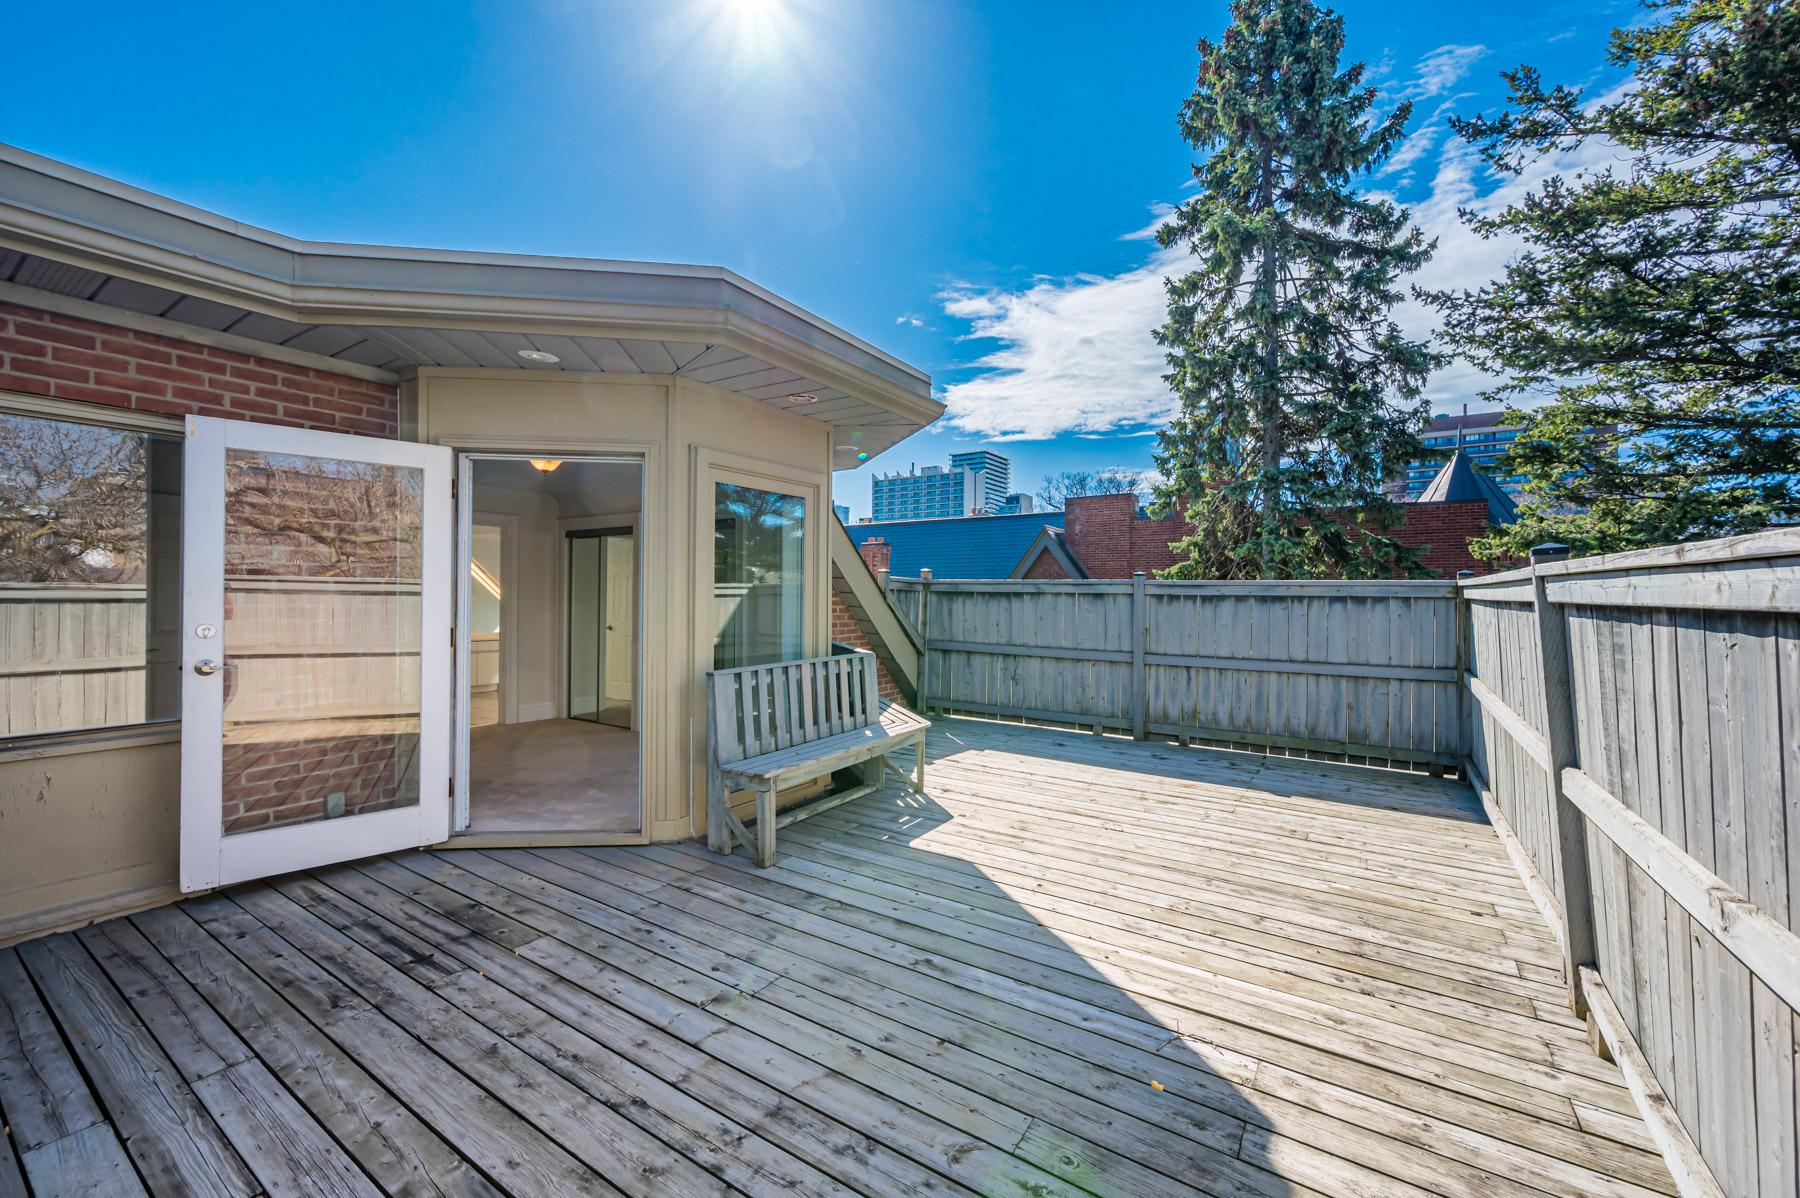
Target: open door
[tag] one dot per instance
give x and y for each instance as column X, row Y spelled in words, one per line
column 316, row 649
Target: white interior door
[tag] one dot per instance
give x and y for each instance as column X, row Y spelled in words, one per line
column 621, row 634
column 316, row 609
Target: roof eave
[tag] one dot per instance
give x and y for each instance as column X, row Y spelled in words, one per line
column 75, row 216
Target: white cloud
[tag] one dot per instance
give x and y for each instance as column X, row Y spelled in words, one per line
column 1076, row 355
column 1441, row 70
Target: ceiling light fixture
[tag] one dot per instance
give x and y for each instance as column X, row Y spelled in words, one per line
column 803, row 397
column 546, row 464
column 539, row 355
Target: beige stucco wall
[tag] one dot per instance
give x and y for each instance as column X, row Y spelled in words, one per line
column 88, row 830
column 689, row 435
column 92, row 831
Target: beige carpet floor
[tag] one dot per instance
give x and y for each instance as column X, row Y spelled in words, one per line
column 553, row 776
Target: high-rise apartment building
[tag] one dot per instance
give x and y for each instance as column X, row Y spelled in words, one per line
column 996, row 472
column 1483, row 436
column 974, row 484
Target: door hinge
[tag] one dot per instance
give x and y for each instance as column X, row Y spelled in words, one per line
column 453, row 786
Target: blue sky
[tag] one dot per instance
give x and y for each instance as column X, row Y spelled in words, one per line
column 964, row 185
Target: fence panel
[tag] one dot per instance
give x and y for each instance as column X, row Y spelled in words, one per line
column 1366, row 670
column 71, row 656
column 1685, row 687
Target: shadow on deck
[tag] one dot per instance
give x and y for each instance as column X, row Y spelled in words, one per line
column 1078, row 966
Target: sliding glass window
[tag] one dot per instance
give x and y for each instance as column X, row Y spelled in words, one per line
column 759, row 576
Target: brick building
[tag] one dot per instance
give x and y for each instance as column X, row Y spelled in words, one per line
column 1107, row 536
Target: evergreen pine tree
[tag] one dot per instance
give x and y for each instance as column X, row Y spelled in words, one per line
column 1300, row 395
column 1662, row 296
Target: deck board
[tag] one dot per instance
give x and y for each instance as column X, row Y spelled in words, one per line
column 1077, row 965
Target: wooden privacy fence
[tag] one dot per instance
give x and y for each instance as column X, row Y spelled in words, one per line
column 1635, row 734
column 1343, row 669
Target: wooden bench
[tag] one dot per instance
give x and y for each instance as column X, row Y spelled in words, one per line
column 773, row 727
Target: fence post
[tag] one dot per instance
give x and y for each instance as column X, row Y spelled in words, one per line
column 919, row 691
column 1465, row 657
column 1577, row 895
column 881, row 579
column 1140, row 690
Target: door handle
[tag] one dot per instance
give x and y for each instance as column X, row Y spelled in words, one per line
column 206, row 667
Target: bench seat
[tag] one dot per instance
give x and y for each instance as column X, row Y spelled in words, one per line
column 814, row 759
column 809, row 719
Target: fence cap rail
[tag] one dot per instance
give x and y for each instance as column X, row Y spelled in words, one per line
column 1249, row 588
column 1776, row 542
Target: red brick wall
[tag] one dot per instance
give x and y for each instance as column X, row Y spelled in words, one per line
column 1046, row 567
column 270, row 784
column 1447, row 528
column 65, row 357
column 1097, row 530
column 1105, row 536
column 846, row 631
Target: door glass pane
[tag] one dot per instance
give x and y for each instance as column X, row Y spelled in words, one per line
column 90, row 576
column 320, row 647
column 759, row 574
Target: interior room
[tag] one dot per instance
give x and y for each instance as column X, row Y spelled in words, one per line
column 553, row 620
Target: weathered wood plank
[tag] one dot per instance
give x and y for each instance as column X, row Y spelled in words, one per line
column 403, row 1156
column 42, row 1092
column 81, row 1165
column 169, row 1134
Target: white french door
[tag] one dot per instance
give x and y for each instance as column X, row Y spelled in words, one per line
column 316, row 652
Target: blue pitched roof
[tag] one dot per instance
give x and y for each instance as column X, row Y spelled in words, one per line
column 958, row 546
column 1460, row 480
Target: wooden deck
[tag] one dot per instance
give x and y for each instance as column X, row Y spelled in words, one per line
column 1078, row 966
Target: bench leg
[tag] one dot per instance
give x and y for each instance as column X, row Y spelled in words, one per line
column 718, row 830
column 918, row 783
column 765, row 826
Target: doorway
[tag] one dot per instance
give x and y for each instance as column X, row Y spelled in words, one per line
column 549, row 646
column 602, row 639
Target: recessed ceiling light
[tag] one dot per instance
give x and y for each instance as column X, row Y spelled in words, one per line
column 803, row 397
column 847, row 448
column 538, row 355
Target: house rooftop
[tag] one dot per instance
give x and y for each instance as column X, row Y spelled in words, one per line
column 85, row 245
column 958, row 546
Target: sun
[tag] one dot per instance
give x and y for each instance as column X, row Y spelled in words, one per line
column 756, row 29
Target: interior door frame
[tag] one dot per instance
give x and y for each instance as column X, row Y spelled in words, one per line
column 468, row 451
column 209, row 858
column 621, row 524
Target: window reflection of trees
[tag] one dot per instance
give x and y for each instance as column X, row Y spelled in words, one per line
column 758, row 575
column 89, row 575
column 306, row 517
column 74, row 502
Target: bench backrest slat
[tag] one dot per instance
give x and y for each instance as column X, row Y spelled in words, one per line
column 758, row 709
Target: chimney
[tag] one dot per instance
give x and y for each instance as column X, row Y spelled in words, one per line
column 877, row 554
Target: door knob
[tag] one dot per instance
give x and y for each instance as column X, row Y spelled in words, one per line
column 206, row 667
